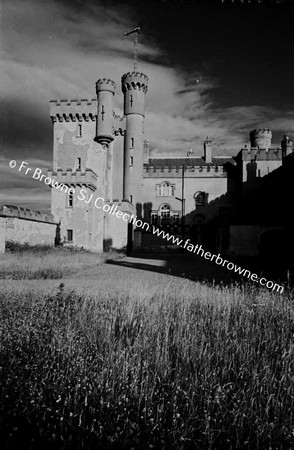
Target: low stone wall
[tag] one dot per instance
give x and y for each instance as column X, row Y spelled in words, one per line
column 22, row 225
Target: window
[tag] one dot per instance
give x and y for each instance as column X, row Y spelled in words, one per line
column 131, row 160
column 131, row 198
column 70, row 199
column 164, row 215
column 69, row 235
column 199, row 198
column 132, row 142
column 79, row 163
column 102, row 112
column 176, row 219
column 79, row 132
column 165, row 190
column 154, row 218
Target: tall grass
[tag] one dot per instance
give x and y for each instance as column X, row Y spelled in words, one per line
column 188, row 367
column 45, row 262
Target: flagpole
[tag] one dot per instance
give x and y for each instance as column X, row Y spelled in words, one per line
column 136, row 41
column 136, row 51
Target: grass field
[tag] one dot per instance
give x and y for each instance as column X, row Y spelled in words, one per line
column 97, row 356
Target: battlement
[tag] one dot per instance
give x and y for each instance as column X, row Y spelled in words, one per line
column 25, row 213
column 261, row 154
column 134, row 80
column 262, row 132
column 175, row 171
column 261, row 138
column 70, row 177
column 73, row 110
column 105, row 84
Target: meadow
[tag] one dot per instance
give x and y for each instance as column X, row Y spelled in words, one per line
column 98, row 356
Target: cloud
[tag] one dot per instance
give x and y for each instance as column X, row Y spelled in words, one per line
column 20, row 188
column 58, row 49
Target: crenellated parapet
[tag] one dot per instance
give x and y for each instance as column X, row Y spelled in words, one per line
column 261, row 138
column 70, row 177
column 73, row 110
column 261, row 154
column 134, row 80
column 105, row 84
column 204, row 171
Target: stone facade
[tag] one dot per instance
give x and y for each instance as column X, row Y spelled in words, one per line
column 25, row 226
column 102, row 155
column 104, row 161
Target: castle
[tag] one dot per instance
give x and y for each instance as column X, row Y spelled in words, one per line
column 101, row 155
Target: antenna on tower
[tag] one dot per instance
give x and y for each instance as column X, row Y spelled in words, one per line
column 136, row 41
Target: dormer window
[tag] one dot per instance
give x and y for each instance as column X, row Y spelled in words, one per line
column 165, row 189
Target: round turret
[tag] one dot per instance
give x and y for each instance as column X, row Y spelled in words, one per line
column 134, row 80
column 134, row 87
column 261, row 138
column 105, row 89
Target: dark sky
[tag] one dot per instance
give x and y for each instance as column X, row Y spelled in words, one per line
column 215, row 68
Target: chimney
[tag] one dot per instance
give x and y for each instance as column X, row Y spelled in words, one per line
column 287, row 146
column 208, row 151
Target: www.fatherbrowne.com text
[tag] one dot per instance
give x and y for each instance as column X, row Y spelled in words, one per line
column 100, row 203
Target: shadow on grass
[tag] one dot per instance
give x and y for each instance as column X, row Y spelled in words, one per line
column 196, row 268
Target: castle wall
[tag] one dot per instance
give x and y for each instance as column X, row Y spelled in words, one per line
column 26, row 231
column 74, row 134
column 68, row 146
column 258, row 169
column 83, row 218
column 214, row 187
column 245, row 240
column 23, row 225
column 257, row 163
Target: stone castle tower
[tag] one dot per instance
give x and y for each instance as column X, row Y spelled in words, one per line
column 99, row 155
column 134, row 87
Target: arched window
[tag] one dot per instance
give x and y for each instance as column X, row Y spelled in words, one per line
column 165, row 189
column 199, row 198
column 164, row 214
